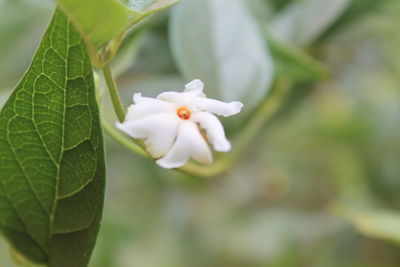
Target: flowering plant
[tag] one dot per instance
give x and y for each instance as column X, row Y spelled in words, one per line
column 313, row 99
column 172, row 125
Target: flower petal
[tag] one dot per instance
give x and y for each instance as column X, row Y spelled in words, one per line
column 146, row 106
column 195, row 85
column 179, row 99
column 216, row 107
column 214, row 130
column 189, row 143
column 158, row 131
column 192, row 90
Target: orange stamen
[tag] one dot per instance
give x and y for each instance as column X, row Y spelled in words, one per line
column 183, row 113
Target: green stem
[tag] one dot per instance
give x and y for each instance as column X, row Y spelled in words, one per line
column 120, row 138
column 219, row 167
column 114, row 94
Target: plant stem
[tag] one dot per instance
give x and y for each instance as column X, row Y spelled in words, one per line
column 120, row 138
column 114, row 94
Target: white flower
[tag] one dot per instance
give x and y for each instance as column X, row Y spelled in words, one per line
column 172, row 125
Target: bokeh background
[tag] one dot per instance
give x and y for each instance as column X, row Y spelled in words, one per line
column 317, row 186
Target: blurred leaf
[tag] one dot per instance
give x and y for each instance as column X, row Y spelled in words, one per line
column 292, row 62
column 301, row 22
column 5, row 259
column 278, row 4
column 260, row 8
column 21, row 25
column 103, row 23
column 381, row 224
column 220, row 43
column 356, row 10
column 51, row 154
column 128, row 52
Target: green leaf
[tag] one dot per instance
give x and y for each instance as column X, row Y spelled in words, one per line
column 291, row 62
column 356, row 10
column 52, row 166
column 224, row 47
column 128, row 52
column 302, row 22
column 103, row 23
column 381, row 224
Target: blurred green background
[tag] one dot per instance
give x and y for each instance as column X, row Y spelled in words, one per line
column 318, row 186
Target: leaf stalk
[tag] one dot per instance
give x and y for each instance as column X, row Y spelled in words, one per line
column 114, row 93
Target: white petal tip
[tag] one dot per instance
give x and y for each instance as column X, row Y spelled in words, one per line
column 119, row 125
column 223, row 148
column 137, row 97
column 206, row 159
column 194, row 85
column 236, row 107
column 123, row 128
column 168, row 165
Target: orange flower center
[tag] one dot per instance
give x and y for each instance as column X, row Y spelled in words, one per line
column 183, row 113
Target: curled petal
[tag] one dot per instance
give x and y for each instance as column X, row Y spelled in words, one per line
column 189, row 143
column 146, row 106
column 179, row 99
column 138, row 98
column 193, row 90
column 214, row 129
column 195, row 85
column 158, row 132
column 216, row 107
